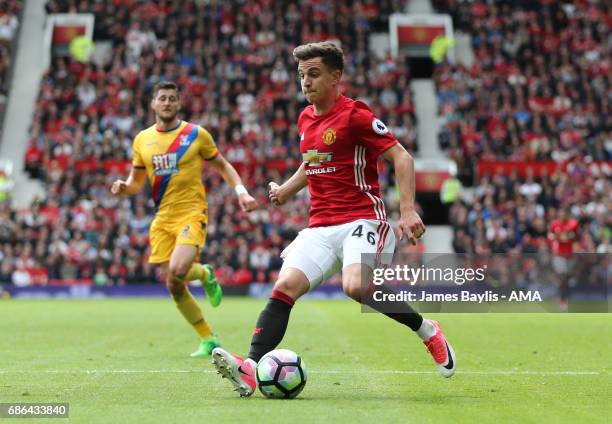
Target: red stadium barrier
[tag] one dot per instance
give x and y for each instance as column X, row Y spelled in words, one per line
column 123, row 167
column 538, row 168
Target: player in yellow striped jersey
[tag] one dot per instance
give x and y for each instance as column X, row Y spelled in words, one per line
column 171, row 153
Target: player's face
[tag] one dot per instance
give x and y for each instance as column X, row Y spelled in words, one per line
column 166, row 104
column 318, row 83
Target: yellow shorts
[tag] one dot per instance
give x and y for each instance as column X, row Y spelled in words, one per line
column 165, row 234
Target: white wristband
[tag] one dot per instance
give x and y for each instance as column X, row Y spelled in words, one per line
column 240, row 189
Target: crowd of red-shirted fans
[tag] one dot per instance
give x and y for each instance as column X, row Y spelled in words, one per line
column 539, row 89
column 233, row 63
column 510, row 214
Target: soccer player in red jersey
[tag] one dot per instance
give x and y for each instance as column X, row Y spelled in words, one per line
column 563, row 232
column 340, row 141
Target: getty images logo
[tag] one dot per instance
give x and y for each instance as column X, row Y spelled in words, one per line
column 412, row 275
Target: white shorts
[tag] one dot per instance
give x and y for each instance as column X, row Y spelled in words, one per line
column 321, row 252
column 562, row 266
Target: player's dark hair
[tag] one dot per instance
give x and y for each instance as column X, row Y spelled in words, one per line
column 165, row 85
column 330, row 54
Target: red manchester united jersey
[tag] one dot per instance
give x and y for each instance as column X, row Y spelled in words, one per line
column 569, row 231
column 340, row 150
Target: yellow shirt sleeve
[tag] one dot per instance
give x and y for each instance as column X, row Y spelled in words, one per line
column 137, row 160
column 208, row 148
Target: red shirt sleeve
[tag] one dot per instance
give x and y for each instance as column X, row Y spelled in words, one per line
column 370, row 131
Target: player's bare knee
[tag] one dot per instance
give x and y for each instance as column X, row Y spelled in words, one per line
column 178, row 270
column 175, row 286
column 292, row 287
column 352, row 288
column 353, row 278
column 286, row 286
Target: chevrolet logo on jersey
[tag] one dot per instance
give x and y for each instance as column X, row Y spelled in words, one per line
column 314, row 158
column 164, row 164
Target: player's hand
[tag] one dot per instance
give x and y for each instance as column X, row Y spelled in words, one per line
column 410, row 224
column 118, row 187
column 247, row 202
column 275, row 195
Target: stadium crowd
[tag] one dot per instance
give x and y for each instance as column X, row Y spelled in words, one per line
column 539, row 89
column 526, row 98
column 510, row 214
column 237, row 79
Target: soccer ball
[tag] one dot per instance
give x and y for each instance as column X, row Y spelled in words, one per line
column 281, row 374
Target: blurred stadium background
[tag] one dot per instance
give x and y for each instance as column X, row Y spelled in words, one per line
column 510, row 125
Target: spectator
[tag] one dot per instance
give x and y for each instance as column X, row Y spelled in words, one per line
column 21, row 277
column 6, row 187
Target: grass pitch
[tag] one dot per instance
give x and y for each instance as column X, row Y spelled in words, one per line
column 126, row 361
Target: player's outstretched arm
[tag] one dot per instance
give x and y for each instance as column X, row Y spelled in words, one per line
column 279, row 194
column 231, row 177
column 134, row 183
column 410, row 222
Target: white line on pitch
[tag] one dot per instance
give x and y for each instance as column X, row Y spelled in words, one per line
column 403, row 372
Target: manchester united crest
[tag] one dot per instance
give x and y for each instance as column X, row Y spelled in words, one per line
column 329, row 136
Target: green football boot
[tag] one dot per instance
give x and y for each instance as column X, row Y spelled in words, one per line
column 212, row 287
column 206, row 347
